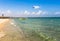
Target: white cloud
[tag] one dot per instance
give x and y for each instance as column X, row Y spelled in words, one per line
column 45, row 12
column 6, row 12
column 36, row 7
column 1, row 12
column 33, row 12
column 57, row 12
column 9, row 11
column 39, row 12
column 26, row 12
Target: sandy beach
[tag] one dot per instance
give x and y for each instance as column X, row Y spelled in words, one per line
column 10, row 32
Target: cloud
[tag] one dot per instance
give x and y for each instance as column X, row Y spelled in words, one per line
column 57, row 12
column 39, row 12
column 1, row 12
column 26, row 12
column 33, row 12
column 6, row 12
column 36, row 7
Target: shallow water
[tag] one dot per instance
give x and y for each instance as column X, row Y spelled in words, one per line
column 33, row 27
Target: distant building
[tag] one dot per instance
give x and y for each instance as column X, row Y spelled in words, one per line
column 2, row 14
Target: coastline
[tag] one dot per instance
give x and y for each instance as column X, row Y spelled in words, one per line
column 10, row 32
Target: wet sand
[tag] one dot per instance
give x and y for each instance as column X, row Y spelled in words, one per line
column 10, row 32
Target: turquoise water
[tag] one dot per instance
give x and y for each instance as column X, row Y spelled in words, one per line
column 44, row 27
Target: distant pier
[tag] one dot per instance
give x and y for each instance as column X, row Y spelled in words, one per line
column 2, row 17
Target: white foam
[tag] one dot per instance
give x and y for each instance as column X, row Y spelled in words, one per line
column 13, row 24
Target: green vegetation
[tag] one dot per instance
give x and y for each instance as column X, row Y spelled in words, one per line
column 22, row 18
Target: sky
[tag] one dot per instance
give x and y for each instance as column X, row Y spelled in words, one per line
column 30, row 8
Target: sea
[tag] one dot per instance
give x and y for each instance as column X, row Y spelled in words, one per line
column 40, row 28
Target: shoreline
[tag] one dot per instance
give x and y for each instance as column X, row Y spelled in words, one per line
column 9, row 31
